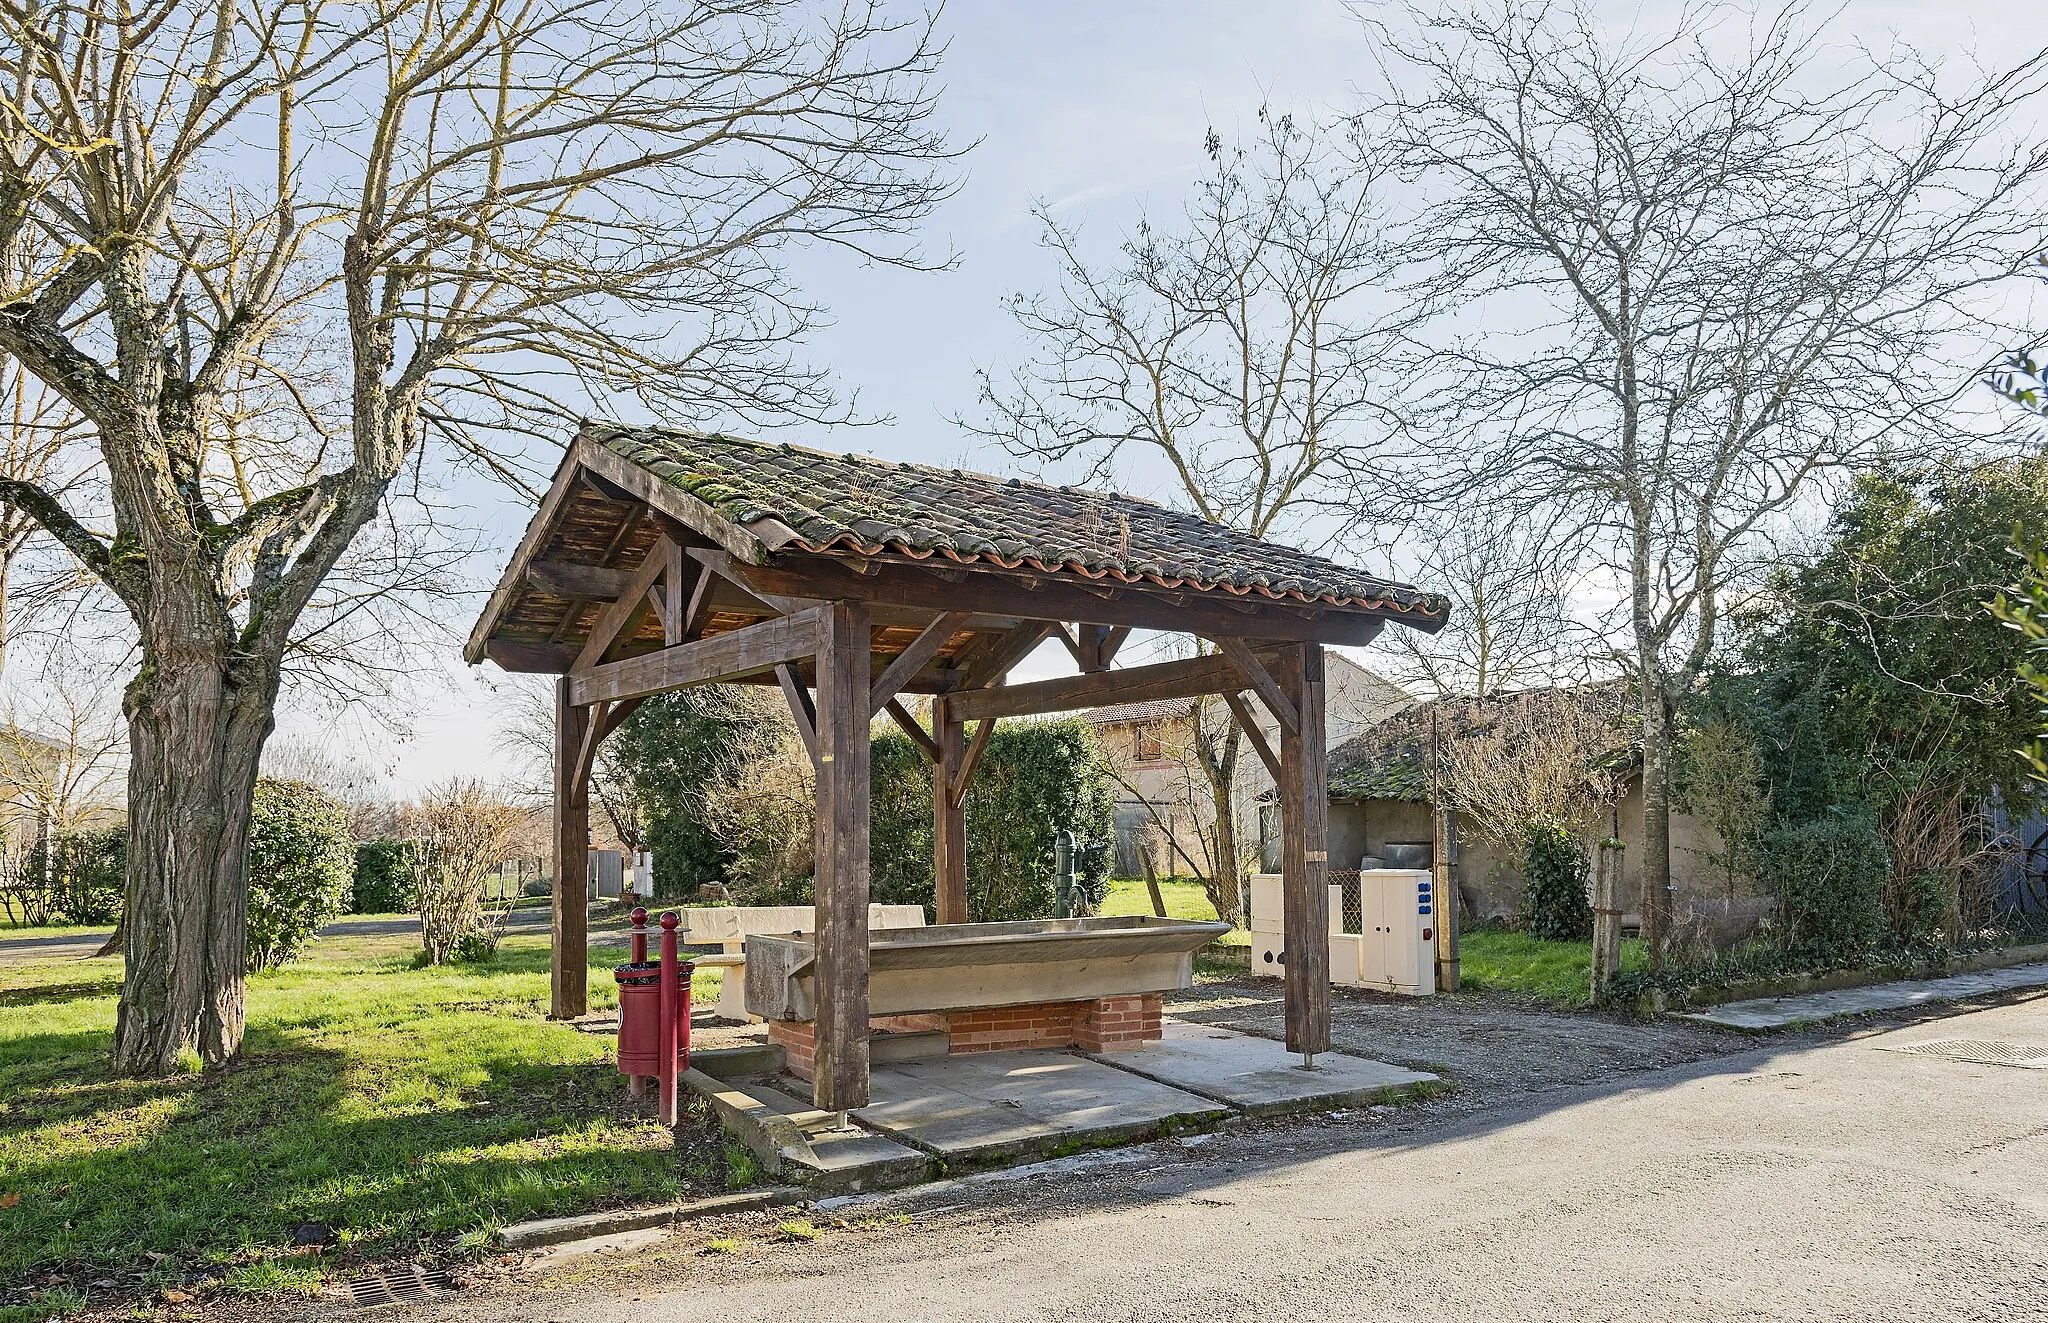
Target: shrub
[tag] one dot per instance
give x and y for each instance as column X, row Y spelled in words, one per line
column 383, row 878
column 1037, row 779
column 1554, row 865
column 476, row 947
column 80, row 874
column 300, row 864
column 673, row 747
column 461, row 830
column 1828, row 875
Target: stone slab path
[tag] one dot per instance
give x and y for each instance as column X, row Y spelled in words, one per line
column 1258, row 1076
column 1813, row 1007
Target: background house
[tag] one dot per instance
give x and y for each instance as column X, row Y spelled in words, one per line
column 1382, row 790
column 1161, row 785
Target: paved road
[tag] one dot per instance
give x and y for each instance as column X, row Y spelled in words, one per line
column 84, row 943
column 1795, row 1182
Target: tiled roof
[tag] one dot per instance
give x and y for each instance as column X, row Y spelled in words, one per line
column 1392, row 759
column 1151, row 709
column 809, row 500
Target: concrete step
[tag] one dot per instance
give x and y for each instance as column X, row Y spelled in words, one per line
column 918, row 1045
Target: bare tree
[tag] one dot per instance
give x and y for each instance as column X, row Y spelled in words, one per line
column 1188, row 743
column 295, row 242
column 1246, row 350
column 1705, row 286
column 1511, row 620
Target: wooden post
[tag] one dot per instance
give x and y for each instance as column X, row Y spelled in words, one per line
column 949, row 820
column 1606, row 915
column 1449, row 906
column 569, row 953
column 840, row 1062
column 1304, row 853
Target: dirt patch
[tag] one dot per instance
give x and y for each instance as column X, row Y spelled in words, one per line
column 1493, row 1047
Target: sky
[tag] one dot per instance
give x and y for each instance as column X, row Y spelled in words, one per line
column 1097, row 110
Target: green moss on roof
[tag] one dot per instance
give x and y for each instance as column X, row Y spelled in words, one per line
column 855, row 505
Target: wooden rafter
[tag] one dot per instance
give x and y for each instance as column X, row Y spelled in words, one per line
column 992, row 663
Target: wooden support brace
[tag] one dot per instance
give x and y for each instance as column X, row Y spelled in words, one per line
column 957, row 792
column 569, row 955
column 917, row 733
column 1268, row 689
column 801, row 709
column 1252, row 734
column 906, row 664
column 622, row 617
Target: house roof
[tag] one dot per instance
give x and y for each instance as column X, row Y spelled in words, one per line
column 795, row 498
column 1150, row 710
column 1392, row 760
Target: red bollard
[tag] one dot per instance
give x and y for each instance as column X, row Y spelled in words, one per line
column 639, row 1013
column 674, row 1035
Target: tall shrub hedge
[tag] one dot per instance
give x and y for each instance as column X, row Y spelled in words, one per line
column 1829, row 875
column 383, row 877
column 1037, row 779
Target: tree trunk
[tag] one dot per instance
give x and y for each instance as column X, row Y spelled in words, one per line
column 1218, row 758
column 195, row 736
column 1656, row 820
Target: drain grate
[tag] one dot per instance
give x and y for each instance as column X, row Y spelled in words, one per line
column 1983, row 1051
column 400, row 1287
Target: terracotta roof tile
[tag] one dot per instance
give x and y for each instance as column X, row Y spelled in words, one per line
column 813, row 501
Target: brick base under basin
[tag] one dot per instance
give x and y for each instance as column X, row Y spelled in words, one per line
column 1106, row 1024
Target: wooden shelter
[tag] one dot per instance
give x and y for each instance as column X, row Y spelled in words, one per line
column 663, row 559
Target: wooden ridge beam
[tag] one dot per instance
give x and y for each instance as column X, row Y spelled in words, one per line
column 1188, row 678
column 721, row 657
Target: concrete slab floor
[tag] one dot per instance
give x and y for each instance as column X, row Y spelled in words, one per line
column 1004, row 1105
column 1811, row 1007
column 1258, row 1075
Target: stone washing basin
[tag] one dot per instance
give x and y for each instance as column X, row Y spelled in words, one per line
column 972, row 966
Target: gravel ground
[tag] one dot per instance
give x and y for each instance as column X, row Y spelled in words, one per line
column 1492, row 1047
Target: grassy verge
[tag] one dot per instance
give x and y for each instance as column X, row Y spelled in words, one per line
column 1184, row 900
column 1560, row 973
column 398, row 1107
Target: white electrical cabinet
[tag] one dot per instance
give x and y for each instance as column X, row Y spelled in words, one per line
column 1395, row 951
column 1397, row 919
column 1269, row 927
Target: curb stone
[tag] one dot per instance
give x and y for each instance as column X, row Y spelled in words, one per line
column 560, row 1230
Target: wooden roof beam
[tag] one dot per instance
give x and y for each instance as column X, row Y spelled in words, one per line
column 728, row 656
column 1189, row 678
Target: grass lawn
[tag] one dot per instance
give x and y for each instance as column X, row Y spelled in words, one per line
column 404, row 1108
column 1560, row 973
column 1184, row 900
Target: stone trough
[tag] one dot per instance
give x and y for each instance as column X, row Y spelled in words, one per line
column 1091, row 983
